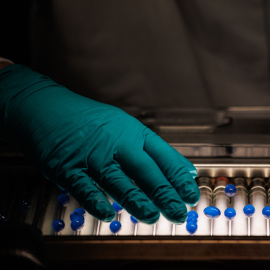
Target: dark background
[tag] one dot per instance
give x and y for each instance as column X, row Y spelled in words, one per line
column 14, row 23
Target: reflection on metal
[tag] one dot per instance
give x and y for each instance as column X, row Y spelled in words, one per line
column 230, row 151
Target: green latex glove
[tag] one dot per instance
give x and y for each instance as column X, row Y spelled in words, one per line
column 81, row 144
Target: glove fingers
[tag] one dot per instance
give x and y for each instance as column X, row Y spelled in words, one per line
column 91, row 198
column 143, row 170
column 179, row 171
column 190, row 167
column 120, row 188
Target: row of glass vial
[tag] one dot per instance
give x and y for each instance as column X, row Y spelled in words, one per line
column 241, row 225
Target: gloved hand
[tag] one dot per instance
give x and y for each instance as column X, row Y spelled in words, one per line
column 81, row 144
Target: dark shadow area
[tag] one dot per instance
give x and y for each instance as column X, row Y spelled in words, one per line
column 14, row 21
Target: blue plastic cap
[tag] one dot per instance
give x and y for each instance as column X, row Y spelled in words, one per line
column 117, row 208
column 77, row 223
column 230, row 213
column 58, row 225
column 80, row 211
column 63, row 199
column 193, row 213
column 266, row 212
column 249, row 210
column 77, row 212
column 191, row 227
column 230, row 190
column 115, row 226
column 212, row 212
column 133, row 220
column 192, row 219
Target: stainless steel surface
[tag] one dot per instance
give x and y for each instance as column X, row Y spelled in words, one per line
column 233, row 143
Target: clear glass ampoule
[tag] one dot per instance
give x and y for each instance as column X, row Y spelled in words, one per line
column 221, row 201
column 238, row 202
column 257, row 197
column 204, row 223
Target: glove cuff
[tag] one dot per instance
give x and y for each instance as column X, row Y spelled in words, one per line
column 17, row 82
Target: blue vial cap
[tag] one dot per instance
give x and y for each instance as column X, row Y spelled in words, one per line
column 133, row 220
column 230, row 190
column 192, row 219
column 249, row 210
column 80, row 211
column 77, row 223
column 212, row 212
column 230, row 213
column 63, row 199
column 117, row 208
column 24, row 205
column 115, row 226
column 77, row 212
column 191, row 227
column 58, row 225
column 266, row 211
column 192, row 213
